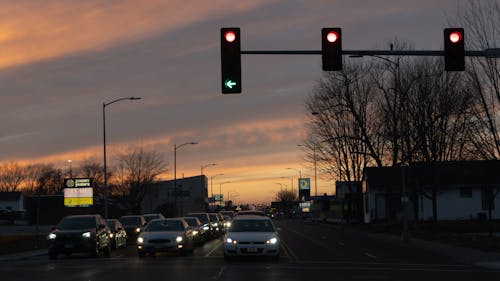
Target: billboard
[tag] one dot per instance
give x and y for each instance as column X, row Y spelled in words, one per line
column 304, row 188
column 78, row 192
column 218, row 197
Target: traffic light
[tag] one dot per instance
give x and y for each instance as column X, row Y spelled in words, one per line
column 331, row 48
column 230, row 60
column 454, row 53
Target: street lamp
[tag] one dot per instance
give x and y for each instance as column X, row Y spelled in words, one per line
column 220, row 189
column 104, row 104
column 212, row 184
column 70, row 170
column 315, row 169
column 175, row 172
column 205, row 166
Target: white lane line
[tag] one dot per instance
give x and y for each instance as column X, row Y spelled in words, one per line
column 371, row 256
column 291, row 255
column 218, row 276
column 213, row 250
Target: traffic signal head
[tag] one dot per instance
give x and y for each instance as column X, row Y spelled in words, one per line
column 331, row 48
column 230, row 60
column 454, row 51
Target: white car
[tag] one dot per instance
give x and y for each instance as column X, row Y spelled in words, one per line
column 165, row 235
column 252, row 236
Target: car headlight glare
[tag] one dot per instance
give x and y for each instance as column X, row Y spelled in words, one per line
column 231, row 241
column 195, row 232
column 111, row 235
column 205, row 227
column 140, row 240
column 86, row 234
column 138, row 229
column 272, row 241
column 52, row 236
column 214, row 224
column 178, row 239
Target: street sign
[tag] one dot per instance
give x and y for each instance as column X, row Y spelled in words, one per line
column 304, row 188
column 78, row 192
column 218, row 197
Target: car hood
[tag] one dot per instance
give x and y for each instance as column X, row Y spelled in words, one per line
column 72, row 231
column 161, row 234
column 251, row 236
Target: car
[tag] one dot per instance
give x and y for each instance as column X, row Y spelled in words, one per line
column 133, row 225
column 80, row 233
column 165, row 235
column 207, row 226
column 117, row 234
column 227, row 222
column 252, row 235
column 227, row 213
column 149, row 217
column 216, row 223
column 200, row 235
column 252, row 213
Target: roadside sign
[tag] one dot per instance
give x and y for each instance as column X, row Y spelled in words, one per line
column 218, row 197
column 78, row 192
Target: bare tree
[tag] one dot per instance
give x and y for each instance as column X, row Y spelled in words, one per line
column 43, row 179
column 91, row 168
column 12, row 175
column 138, row 169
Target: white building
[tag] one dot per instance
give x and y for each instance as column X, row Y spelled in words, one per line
column 13, row 201
column 463, row 190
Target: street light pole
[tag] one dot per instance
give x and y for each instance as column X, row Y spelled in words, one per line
column 175, row 173
column 104, row 104
column 202, row 190
column 220, row 189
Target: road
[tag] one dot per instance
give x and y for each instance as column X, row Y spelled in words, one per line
column 309, row 251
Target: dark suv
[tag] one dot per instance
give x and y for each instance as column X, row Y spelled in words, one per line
column 133, row 225
column 81, row 233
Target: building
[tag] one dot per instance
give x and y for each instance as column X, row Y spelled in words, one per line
column 12, row 201
column 456, row 190
column 191, row 196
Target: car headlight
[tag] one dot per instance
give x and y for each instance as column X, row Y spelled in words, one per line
column 206, row 227
column 138, row 229
column 272, row 241
column 214, row 224
column 195, row 232
column 228, row 224
column 140, row 240
column 230, row 241
column 111, row 235
column 178, row 239
column 86, row 234
column 52, row 236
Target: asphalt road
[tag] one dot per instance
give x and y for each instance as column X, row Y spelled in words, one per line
column 310, row 251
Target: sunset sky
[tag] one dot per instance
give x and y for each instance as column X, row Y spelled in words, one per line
column 60, row 60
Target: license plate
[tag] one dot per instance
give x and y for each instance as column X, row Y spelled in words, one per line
column 252, row 250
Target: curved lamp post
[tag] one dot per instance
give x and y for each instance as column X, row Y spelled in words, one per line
column 104, row 104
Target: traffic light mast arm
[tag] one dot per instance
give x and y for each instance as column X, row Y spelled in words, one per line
column 491, row 53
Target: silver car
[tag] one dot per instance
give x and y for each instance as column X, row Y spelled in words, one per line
column 252, row 236
column 165, row 235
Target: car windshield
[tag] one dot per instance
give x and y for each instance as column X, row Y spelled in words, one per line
column 71, row 223
column 201, row 217
column 148, row 218
column 252, row 226
column 131, row 220
column 111, row 223
column 191, row 221
column 165, row 225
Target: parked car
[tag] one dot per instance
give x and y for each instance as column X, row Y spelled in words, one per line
column 149, row 217
column 80, row 233
column 207, row 226
column 165, row 235
column 200, row 235
column 133, row 225
column 117, row 234
column 252, row 236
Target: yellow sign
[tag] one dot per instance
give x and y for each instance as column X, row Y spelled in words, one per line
column 78, row 201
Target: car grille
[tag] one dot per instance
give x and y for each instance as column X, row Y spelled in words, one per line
column 68, row 237
column 159, row 241
column 251, row 243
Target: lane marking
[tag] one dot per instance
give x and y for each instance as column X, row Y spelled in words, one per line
column 289, row 252
column 322, row 245
column 371, row 256
column 213, row 250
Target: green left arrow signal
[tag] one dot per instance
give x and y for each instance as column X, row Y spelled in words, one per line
column 229, row 83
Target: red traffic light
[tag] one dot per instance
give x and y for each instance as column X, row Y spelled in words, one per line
column 230, row 36
column 455, row 37
column 332, row 36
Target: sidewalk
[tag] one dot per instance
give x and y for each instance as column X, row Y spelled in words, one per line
column 459, row 254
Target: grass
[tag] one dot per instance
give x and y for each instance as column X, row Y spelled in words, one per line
column 11, row 244
column 467, row 234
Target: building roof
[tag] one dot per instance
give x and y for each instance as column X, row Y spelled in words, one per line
column 10, row 196
column 440, row 174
